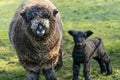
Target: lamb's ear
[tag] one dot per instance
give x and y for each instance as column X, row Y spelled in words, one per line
column 55, row 11
column 88, row 33
column 71, row 32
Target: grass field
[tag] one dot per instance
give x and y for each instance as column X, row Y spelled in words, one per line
column 100, row 16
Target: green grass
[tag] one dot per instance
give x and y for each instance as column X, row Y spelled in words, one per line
column 100, row 16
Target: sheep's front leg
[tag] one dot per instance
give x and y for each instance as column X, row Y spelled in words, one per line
column 49, row 74
column 76, row 68
column 60, row 62
column 33, row 76
column 87, row 70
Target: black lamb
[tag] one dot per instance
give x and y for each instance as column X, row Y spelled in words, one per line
column 84, row 50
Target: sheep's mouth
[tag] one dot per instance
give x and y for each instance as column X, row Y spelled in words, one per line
column 40, row 30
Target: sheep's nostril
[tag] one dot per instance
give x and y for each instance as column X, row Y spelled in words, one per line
column 40, row 30
column 80, row 44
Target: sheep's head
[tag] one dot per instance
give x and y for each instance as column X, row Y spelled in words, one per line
column 38, row 18
column 79, row 36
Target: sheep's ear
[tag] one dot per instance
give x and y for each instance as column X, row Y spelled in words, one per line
column 88, row 33
column 23, row 14
column 71, row 32
column 55, row 11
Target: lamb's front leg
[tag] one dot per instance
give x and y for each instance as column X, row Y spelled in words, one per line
column 76, row 68
column 87, row 70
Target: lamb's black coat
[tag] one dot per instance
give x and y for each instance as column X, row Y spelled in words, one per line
column 84, row 50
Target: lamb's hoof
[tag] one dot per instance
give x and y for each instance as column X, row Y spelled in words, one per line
column 102, row 72
column 109, row 73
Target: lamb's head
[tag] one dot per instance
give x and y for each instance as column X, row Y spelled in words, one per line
column 79, row 36
column 38, row 19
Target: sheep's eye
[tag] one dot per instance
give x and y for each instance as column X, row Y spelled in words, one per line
column 30, row 17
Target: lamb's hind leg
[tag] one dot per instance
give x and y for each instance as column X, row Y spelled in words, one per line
column 49, row 74
column 107, row 62
column 101, row 64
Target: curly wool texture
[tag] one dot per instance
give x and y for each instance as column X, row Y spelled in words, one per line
column 33, row 52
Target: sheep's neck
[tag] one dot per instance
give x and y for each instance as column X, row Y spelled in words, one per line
column 49, row 43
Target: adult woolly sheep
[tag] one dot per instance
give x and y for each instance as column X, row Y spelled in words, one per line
column 84, row 50
column 36, row 34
